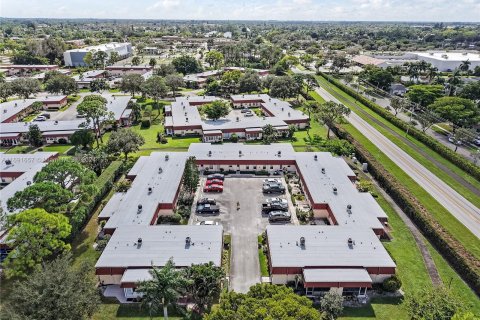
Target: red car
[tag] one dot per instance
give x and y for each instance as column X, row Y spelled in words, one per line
column 214, row 181
column 213, row 188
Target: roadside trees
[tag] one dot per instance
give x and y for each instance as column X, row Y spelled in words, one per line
column 67, row 173
column 459, row 111
column 433, row 304
column 330, row 113
column 397, row 104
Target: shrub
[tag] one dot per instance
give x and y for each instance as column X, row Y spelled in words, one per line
column 170, row 219
column 102, row 243
column 392, row 284
column 62, row 141
column 146, row 123
column 123, row 186
column 262, row 173
column 234, row 137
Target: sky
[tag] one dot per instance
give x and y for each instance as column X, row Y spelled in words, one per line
column 311, row 10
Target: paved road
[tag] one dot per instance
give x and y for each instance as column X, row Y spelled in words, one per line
column 461, row 208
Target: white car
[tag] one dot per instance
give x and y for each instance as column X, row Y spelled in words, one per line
column 207, row 223
column 271, row 180
column 40, row 118
column 277, row 200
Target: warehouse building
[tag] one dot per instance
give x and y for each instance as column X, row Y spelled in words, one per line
column 74, row 57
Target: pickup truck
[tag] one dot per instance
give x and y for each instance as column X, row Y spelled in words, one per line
column 207, row 209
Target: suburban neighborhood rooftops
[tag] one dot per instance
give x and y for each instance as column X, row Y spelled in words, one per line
column 10, row 163
column 101, row 47
column 49, row 126
column 186, row 245
column 336, row 275
column 162, row 172
column 11, row 108
column 366, row 60
column 234, row 151
column 326, row 246
column 117, row 104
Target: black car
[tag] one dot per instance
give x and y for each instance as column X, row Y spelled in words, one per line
column 206, row 201
column 273, row 188
column 207, row 209
column 218, row 176
column 273, row 206
column 279, row 216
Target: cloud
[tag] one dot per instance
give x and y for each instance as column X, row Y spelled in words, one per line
column 165, row 4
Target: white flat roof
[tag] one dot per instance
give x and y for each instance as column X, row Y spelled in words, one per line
column 136, row 275
column 164, row 186
column 44, row 126
column 336, row 275
column 117, row 104
column 231, row 151
column 101, row 47
column 23, row 162
column 326, row 246
column 450, row 56
column 160, row 243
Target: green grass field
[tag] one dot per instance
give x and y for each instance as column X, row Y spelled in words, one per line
column 60, row 148
column 379, row 308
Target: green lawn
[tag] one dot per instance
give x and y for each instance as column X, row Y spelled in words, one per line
column 263, row 260
column 379, row 308
column 444, row 217
column 115, row 311
column 60, row 148
column 20, row 149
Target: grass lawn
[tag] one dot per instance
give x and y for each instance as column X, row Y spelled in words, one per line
column 379, row 308
column 20, row 149
column 263, row 263
column 115, row 311
column 60, row 148
column 444, row 217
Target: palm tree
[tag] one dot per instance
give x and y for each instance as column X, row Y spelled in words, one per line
column 164, row 289
column 465, row 65
column 432, row 73
column 453, row 81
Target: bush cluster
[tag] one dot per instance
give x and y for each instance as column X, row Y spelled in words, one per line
column 467, row 265
column 392, row 284
column 431, row 142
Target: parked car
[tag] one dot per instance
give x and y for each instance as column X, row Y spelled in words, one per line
column 206, row 201
column 45, row 115
column 277, row 200
column 273, row 206
column 207, row 223
column 271, row 180
column 40, row 118
column 273, row 188
column 214, row 181
column 279, row 216
column 218, row 176
column 213, row 188
column 245, row 110
column 207, row 209
column 249, row 114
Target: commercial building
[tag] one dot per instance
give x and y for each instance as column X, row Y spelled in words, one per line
column 74, row 57
column 449, row 61
column 183, row 118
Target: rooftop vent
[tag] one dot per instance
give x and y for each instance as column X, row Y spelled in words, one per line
column 188, row 241
column 139, row 243
column 323, row 170
column 335, row 190
column 186, row 114
column 315, row 157
column 8, row 162
column 349, row 209
column 238, row 119
column 56, row 122
column 160, row 170
column 15, row 104
column 186, row 119
column 5, row 111
column 240, row 153
column 279, row 153
column 274, row 103
column 29, row 183
column 209, row 153
column 140, row 207
column 302, row 242
column 111, row 101
column 289, row 114
column 150, row 190
column 350, row 242
column 167, row 157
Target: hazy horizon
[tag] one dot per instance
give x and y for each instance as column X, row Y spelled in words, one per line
column 248, row 10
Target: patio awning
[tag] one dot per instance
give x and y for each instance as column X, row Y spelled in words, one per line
column 336, row 278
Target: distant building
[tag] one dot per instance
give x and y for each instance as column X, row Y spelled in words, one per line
column 23, row 69
column 74, row 57
column 449, row 61
column 398, row 89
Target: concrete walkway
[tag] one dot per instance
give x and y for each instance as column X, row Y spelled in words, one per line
column 457, row 205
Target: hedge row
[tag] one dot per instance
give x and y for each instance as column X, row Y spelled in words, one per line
column 467, row 265
column 83, row 210
column 431, row 142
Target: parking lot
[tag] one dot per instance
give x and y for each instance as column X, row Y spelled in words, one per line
column 244, row 224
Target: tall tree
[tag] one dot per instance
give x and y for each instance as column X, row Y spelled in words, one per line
column 66, row 172
column 6, row 91
column 330, row 113
column 25, row 87
column 94, row 109
column 136, row 60
column 283, row 87
column 269, row 133
column 191, row 176
column 61, row 84
column 230, row 80
column 114, row 57
column 459, row 111
column 34, row 136
column 249, row 82
column 216, row 109
column 397, row 104
column 164, row 289
column 174, row 81
column 99, row 59
column 45, row 195
column 186, row 64
column 155, row 88
column 125, row 141
column 153, row 62
column 83, row 137
column 96, row 160
column 132, row 83
column 214, row 58
column 331, row 305
column 56, row 291
column 35, row 237
column 310, row 83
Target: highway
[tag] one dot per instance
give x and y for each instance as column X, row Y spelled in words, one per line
column 458, row 206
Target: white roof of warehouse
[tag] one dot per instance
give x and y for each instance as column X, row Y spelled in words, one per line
column 23, row 162
column 160, row 243
column 101, row 47
column 336, row 275
column 326, row 246
column 450, row 56
column 123, row 210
